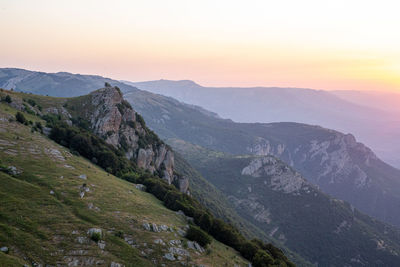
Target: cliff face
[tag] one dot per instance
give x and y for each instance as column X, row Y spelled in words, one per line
column 113, row 119
column 279, row 200
column 340, row 166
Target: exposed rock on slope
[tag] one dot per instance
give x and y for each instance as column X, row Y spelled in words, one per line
column 333, row 161
column 338, row 164
column 276, row 198
column 113, row 118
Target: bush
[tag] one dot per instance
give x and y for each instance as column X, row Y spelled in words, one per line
column 120, row 234
column 32, row 102
column 196, row 234
column 20, row 118
column 39, row 126
column 249, row 249
column 262, row 259
column 8, row 99
column 96, row 237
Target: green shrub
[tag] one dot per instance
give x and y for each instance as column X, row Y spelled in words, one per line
column 39, row 126
column 31, row 102
column 8, row 99
column 262, row 259
column 96, row 237
column 120, row 234
column 20, row 118
column 196, row 234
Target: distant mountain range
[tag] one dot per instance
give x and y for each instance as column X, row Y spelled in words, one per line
column 370, row 116
column 254, row 166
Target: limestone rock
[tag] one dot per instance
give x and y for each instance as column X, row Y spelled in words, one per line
column 113, row 119
column 169, row 256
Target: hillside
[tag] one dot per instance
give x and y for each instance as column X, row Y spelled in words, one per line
column 337, row 163
column 277, row 199
column 48, row 208
column 80, row 214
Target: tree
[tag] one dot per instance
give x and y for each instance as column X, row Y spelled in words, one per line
column 20, row 118
column 8, row 99
column 262, row 259
column 196, row 234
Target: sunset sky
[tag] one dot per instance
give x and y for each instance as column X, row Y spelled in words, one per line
column 314, row 44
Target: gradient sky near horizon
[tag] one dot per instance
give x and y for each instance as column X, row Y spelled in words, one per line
column 314, row 44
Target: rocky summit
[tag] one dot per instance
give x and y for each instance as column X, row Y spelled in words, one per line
column 113, row 118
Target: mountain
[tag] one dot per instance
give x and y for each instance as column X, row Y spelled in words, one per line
column 388, row 101
column 372, row 124
column 61, row 84
column 335, row 162
column 280, row 201
column 59, row 209
column 172, row 119
column 89, row 126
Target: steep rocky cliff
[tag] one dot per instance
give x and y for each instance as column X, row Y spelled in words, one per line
column 109, row 116
column 338, row 164
column 273, row 196
column 112, row 118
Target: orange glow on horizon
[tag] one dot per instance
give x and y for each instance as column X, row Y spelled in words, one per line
column 226, row 43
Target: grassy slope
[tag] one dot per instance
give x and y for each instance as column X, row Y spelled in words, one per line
column 38, row 226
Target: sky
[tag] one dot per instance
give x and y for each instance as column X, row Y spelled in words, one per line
column 332, row 45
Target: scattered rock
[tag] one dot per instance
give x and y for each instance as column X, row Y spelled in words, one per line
column 198, row 247
column 140, row 187
column 4, row 249
column 175, row 242
column 82, row 240
column 54, row 153
column 159, row 241
column 13, row 170
column 79, row 252
column 92, row 231
column 115, row 264
column 82, row 176
column 190, row 244
column 129, row 240
column 169, row 256
column 147, row 226
column 51, row 192
column 68, row 166
column 83, row 189
column 179, row 251
column 93, row 207
column 101, row 244
column 181, row 232
column 155, row 228
column 163, row 227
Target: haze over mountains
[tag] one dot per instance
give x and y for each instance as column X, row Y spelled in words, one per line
column 372, row 118
column 252, row 166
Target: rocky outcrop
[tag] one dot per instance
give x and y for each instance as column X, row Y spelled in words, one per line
column 339, row 165
column 113, row 118
column 337, row 158
column 280, row 176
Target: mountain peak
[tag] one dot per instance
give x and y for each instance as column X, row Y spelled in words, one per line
column 178, row 83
